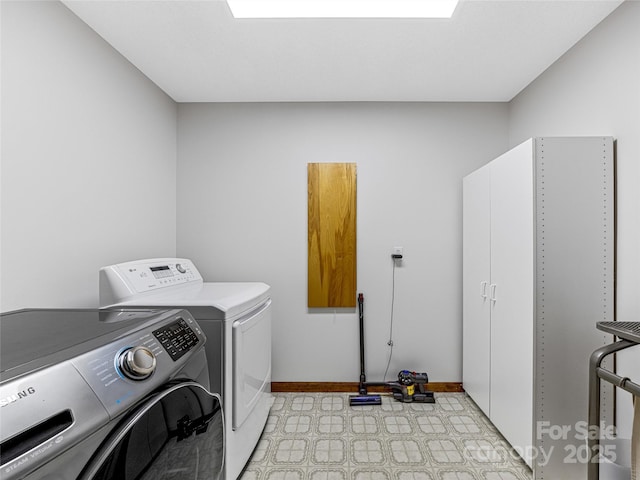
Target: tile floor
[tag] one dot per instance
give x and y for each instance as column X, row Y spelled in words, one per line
column 319, row 436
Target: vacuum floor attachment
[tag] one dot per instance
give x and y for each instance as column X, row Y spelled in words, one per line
column 355, row 400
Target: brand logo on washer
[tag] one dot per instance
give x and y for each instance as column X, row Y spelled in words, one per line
column 17, row 396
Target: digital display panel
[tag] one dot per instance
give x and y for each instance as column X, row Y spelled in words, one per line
column 162, row 271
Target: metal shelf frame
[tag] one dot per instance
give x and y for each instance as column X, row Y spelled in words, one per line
column 629, row 334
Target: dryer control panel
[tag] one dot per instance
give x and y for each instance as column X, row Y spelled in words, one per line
column 121, row 281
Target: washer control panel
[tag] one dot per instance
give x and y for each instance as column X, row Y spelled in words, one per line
column 177, row 338
column 122, row 372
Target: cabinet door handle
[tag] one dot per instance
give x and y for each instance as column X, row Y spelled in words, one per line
column 483, row 291
column 493, row 292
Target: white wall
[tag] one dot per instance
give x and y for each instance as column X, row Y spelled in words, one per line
column 242, row 215
column 88, row 159
column 594, row 89
column 88, row 142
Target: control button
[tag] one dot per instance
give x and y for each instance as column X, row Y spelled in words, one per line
column 177, row 338
column 180, row 268
column 137, row 363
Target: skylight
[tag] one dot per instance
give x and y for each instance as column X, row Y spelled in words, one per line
column 342, row 8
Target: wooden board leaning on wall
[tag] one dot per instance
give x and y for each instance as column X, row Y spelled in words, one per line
column 331, row 190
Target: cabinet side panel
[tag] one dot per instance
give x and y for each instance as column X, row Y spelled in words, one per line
column 574, row 285
column 475, row 288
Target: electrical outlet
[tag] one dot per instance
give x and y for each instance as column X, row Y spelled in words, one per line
column 397, row 252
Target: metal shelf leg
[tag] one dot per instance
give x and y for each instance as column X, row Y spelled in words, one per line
column 593, row 469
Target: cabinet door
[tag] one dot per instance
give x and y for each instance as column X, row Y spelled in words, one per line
column 511, row 295
column 476, row 270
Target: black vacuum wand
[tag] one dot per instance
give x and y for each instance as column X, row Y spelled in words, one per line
column 363, row 377
column 410, row 387
column 363, row 398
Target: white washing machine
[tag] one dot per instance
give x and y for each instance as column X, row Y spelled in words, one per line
column 236, row 319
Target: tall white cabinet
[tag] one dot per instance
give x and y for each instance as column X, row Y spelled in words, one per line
column 538, row 273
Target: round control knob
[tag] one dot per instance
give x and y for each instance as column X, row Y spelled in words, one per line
column 180, row 268
column 137, row 363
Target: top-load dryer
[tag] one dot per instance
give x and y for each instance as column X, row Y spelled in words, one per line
column 236, row 319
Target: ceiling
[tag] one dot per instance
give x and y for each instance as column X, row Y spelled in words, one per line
column 196, row 51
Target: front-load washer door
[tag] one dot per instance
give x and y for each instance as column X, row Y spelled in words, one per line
column 251, row 362
column 176, row 434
